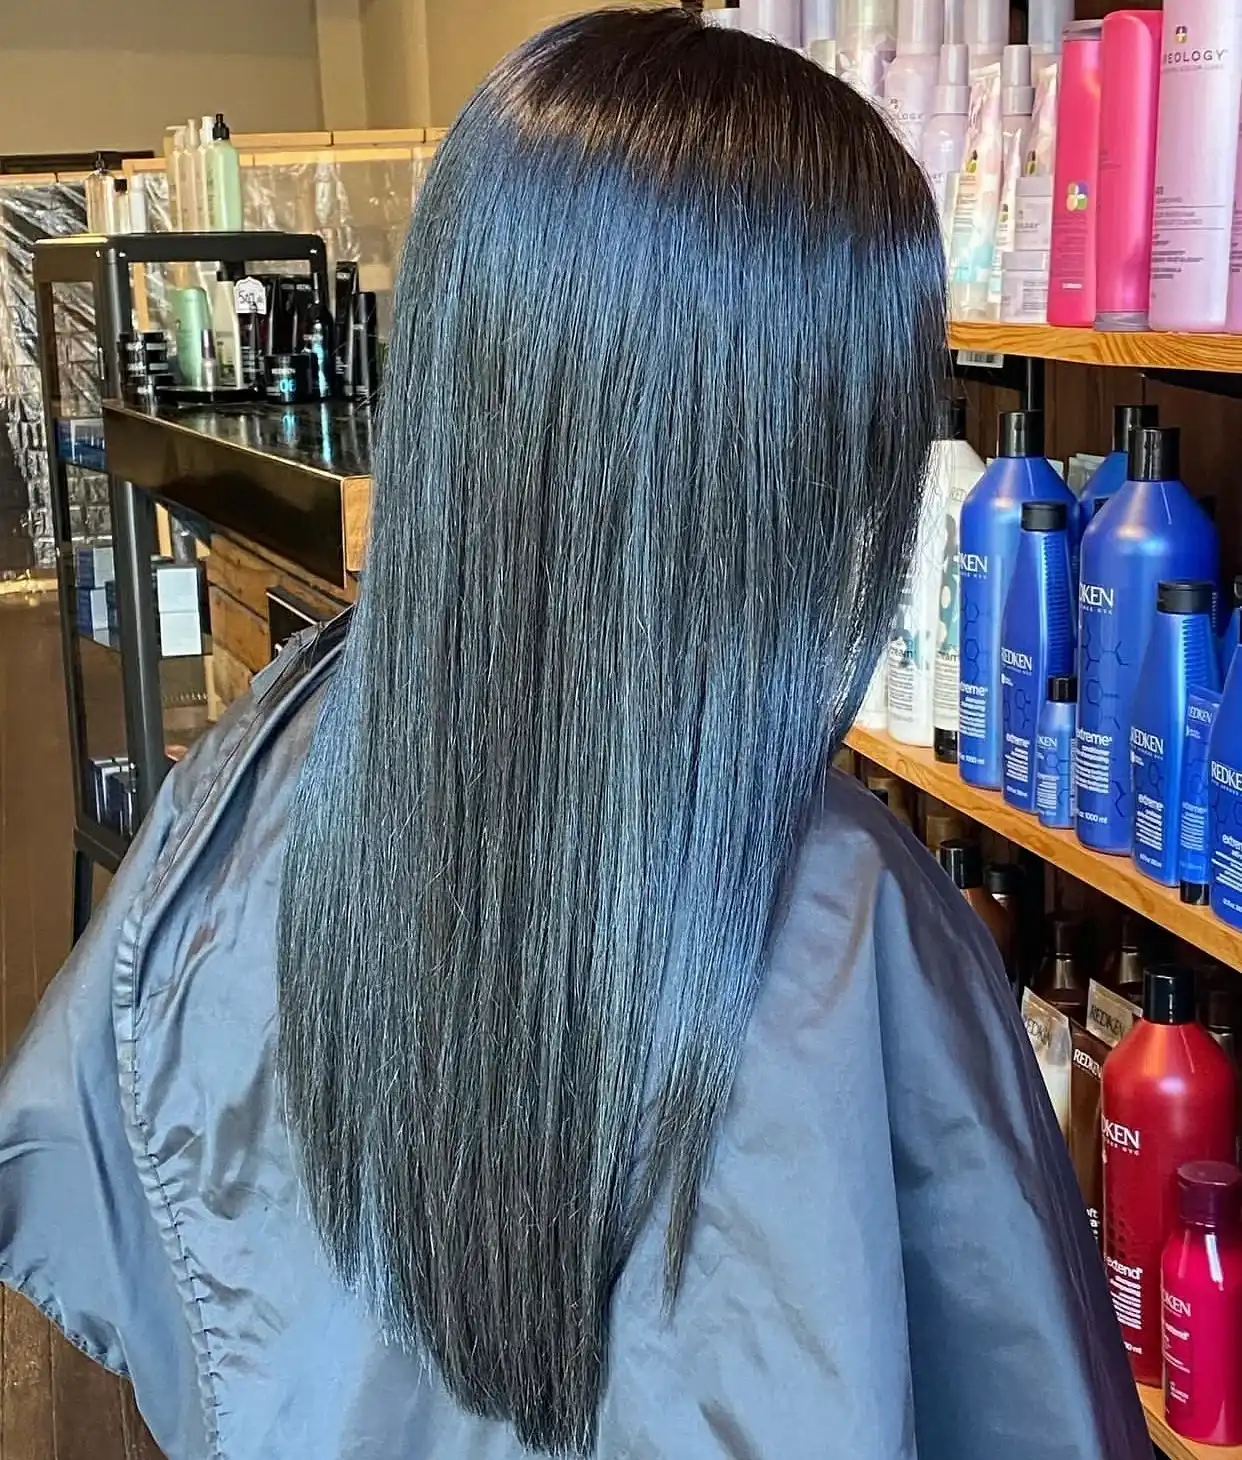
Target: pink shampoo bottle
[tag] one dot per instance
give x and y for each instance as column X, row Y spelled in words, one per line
column 1201, row 1306
column 1196, row 164
column 1129, row 92
column 1075, row 205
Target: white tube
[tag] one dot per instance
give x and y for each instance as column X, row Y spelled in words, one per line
column 778, row 20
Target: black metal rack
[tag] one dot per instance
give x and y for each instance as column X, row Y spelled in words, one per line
column 104, row 264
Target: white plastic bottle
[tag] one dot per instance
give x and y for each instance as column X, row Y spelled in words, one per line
column 913, row 649
column 1048, row 18
column 987, row 30
column 819, row 33
column 866, row 43
column 190, row 181
column 1017, row 104
column 910, row 85
column 776, row 20
column 204, row 156
column 944, row 137
column 954, row 458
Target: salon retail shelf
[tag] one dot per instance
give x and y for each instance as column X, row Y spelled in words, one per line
column 1144, row 350
column 1173, row 1445
column 296, row 480
column 1116, row 876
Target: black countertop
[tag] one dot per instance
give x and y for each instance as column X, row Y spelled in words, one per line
column 293, row 479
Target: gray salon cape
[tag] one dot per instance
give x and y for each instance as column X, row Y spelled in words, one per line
column 890, row 1258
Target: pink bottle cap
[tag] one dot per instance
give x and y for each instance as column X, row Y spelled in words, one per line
column 1209, row 1193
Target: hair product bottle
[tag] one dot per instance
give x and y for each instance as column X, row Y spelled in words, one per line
column 1003, row 883
column 1200, row 98
column 966, row 469
column 964, row 864
column 910, row 85
column 1123, row 968
column 944, row 136
column 1059, row 981
column 819, row 33
column 777, row 20
column 1201, row 1306
column 1037, row 640
column 1169, row 1096
column 1075, row 205
column 1017, row 103
column 222, row 171
column 1225, row 800
column 866, row 43
column 1232, row 633
column 1180, row 657
column 1129, row 92
column 1107, row 478
column 1194, row 843
column 987, row 30
column 990, row 529
column 1046, row 22
column 917, row 629
column 1152, row 530
column 1058, row 724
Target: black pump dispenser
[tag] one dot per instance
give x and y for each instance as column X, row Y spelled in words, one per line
column 1155, row 454
column 1021, row 433
column 1131, row 418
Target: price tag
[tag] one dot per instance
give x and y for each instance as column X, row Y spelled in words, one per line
column 981, row 360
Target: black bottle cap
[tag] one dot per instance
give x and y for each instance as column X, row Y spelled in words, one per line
column 1169, row 994
column 1044, row 517
column 1131, row 418
column 963, row 862
column 945, row 746
column 1021, row 433
column 1184, row 596
column 1196, row 894
column 1237, row 591
column 220, row 130
column 1063, row 689
column 1155, row 454
column 951, row 419
column 1003, row 879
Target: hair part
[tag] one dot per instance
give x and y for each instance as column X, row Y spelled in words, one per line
column 657, row 411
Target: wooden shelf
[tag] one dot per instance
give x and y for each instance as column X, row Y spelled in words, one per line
column 1116, row 876
column 1173, row 1445
column 1148, row 350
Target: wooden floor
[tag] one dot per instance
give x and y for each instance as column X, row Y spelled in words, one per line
column 54, row 1403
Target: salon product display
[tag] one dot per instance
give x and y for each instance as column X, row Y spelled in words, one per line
column 1072, row 277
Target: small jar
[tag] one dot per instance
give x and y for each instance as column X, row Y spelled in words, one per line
column 1201, row 1306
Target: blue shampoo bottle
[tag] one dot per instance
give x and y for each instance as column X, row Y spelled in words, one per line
column 1054, row 780
column 1194, row 856
column 1181, row 656
column 1037, row 641
column 990, row 528
column 1225, row 800
column 1233, row 630
column 1107, row 479
column 1152, row 531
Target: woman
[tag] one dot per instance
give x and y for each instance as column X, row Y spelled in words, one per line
column 522, row 1044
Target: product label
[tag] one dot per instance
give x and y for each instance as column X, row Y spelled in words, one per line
column 1178, row 1350
column 1107, row 673
column 1125, row 1284
column 1055, row 797
column 1147, row 764
column 1225, row 792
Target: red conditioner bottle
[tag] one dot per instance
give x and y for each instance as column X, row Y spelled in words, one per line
column 1168, row 1096
column 1201, row 1299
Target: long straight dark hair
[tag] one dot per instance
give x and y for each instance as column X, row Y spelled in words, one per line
column 658, row 404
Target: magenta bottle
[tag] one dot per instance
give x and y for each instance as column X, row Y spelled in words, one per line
column 1129, row 97
column 1075, row 183
column 1201, row 1306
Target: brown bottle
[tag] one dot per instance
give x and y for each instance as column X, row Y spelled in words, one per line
column 892, row 791
column 1003, row 883
column 1123, row 968
column 1059, row 982
column 963, row 862
column 941, row 825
